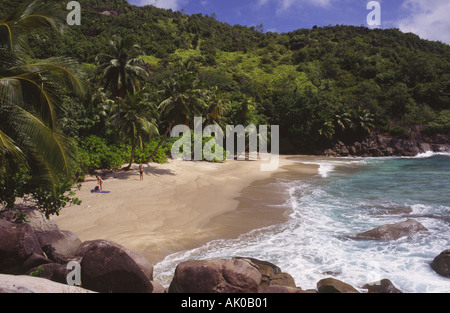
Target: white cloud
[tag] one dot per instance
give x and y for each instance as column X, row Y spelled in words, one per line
column 163, row 4
column 428, row 19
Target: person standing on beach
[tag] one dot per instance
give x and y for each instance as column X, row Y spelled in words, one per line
column 100, row 183
column 141, row 171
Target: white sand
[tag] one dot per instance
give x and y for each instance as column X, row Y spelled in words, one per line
column 179, row 205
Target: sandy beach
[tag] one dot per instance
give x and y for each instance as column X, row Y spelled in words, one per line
column 181, row 205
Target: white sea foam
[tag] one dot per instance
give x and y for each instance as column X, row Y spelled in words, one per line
column 325, row 169
column 427, row 154
column 313, row 244
column 328, row 166
column 430, row 154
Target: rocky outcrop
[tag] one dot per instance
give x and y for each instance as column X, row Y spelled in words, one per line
column 441, row 264
column 238, row 275
column 332, row 285
column 27, row 284
column 51, row 271
column 18, row 242
column 382, row 145
column 382, row 286
column 216, row 276
column 286, row 289
column 39, row 248
column 62, row 242
column 271, row 274
column 392, row 231
column 36, row 220
column 109, row 267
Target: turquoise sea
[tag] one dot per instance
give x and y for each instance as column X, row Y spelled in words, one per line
column 346, row 197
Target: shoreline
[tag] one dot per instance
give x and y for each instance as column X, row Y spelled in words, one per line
column 263, row 203
column 182, row 205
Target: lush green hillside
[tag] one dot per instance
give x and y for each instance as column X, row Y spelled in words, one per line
column 320, row 85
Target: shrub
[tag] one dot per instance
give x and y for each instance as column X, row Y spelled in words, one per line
column 94, row 153
column 51, row 201
column 208, row 146
column 440, row 125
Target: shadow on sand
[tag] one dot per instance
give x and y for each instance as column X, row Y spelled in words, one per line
column 133, row 172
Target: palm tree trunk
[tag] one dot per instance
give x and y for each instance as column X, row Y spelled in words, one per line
column 131, row 159
column 160, row 142
column 133, row 150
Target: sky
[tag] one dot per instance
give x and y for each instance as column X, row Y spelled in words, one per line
column 429, row 19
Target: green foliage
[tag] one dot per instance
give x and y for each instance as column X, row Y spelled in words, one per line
column 209, row 145
column 37, row 272
column 321, row 85
column 95, row 153
column 36, row 157
column 441, row 124
column 12, row 182
column 50, row 202
column 21, row 217
column 160, row 156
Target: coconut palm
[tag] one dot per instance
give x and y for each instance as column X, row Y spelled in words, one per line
column 327, row 130
column 30, row 95
column 343, row 120
column 362, row 120
column 217, row 107
column 183, row 100
column 121, row 68
column 138, row 121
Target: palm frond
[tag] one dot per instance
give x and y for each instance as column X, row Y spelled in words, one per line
column 53, row 149
column 8, row 146
column 40, row 15
column 34, row 18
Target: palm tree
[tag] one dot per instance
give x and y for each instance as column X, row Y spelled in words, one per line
column 218, row 106
column 138, row 122
column 343, row 120
column 362, row 120
column 121, row 68
column 327, row 130
column 30, row 95
column 183, row 100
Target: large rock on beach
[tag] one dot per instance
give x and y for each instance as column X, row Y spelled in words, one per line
column 271, row 273
column 62, row 242
column 285, row 289
column 332, row 285
column 382, row 286
column 441, row 264
column 27, row 284
column 111, row 268
column 392, row 231
column 18, row 242
column 51, row 271
column 37, row 220
column 216, row 276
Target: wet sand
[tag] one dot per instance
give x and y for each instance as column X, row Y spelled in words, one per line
column 182, row 205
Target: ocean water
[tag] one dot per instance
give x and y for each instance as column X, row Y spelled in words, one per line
column 346, row 197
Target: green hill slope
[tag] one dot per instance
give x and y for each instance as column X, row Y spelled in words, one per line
column 320, row 85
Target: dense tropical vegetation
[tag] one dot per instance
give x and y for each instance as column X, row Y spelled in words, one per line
column 109, row 91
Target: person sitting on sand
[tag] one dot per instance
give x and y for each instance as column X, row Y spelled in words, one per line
column 100, row 183
column 141, row 171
